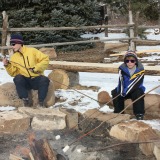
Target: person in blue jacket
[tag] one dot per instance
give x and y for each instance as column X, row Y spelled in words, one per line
column 131, row 75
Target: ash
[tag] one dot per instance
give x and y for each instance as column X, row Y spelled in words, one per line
column 10, row 144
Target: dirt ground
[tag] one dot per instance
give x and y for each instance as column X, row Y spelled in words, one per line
column 97, row 55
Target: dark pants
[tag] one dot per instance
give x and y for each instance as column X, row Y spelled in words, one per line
column 138, row 106
column 24, row 84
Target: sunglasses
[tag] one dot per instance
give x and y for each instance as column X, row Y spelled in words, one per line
column 13, row 44
column 132, row 61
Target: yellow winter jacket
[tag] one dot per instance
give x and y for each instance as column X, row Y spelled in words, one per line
column 20, row 62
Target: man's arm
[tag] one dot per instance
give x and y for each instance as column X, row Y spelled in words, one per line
column 43, row 62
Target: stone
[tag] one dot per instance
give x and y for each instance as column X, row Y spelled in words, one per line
column 9, row 96
column 12, row 122
column 110, row 118
column 156, row 150
column 45, row 118
column 50, row 52
column 71, row 117
column 93, row 118
column 152, row 106
column 103, row 98
column 136, row 131
column 50, row 98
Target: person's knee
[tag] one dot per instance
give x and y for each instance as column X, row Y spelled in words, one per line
column 44, row 80
column 114, row 92
column 139, row 92
column 18, row 78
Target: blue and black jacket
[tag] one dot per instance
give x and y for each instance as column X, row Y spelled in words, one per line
column 127, row 84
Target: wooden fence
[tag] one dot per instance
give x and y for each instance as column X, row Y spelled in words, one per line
column 132, row 28
column 81, row 66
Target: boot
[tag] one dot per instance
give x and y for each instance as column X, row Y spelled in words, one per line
column 26, row 102
column 139, row 116
column 40, row 105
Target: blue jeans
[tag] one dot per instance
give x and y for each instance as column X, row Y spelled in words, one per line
column 24, row 84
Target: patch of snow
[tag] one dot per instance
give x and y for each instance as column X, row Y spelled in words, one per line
column 155, row 124
column 8, row 108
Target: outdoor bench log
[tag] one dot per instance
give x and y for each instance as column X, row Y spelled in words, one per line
column 96, row 67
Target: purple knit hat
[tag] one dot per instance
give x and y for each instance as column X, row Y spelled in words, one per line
column 131, row 54
column 17, row 39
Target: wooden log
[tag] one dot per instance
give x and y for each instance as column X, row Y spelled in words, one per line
column 51, row 155
column 70, row 43
column 59, row 78
column 140, row 42
column 68, row 28
column 41, row 149
column 138, row 52
column 4, row 31
column 96, row 67
column 63, row 79
column 31, row 156
column 83, row 67
column 14, row 157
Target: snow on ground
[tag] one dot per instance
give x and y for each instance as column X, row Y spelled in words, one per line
column 105, row 81
column 155, row 124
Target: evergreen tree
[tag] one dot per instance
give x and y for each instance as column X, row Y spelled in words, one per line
column 52, row 13
column 148, row 8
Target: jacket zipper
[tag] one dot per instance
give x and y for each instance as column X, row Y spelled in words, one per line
column 28, row 61
column 25, row 64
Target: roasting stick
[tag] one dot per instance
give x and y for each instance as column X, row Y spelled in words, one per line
column 115, row 145
column 66, row 133
column 84, row 135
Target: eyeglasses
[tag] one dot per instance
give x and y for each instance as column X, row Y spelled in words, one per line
column 132, row 61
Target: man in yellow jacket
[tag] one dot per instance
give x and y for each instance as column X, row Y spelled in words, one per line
column 27, row 66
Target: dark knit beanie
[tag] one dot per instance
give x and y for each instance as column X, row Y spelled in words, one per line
column 17, row 39
column 131, row 54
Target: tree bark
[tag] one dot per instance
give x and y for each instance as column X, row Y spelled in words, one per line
column 64, row 79
column 41, row 149
column 96, row 67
